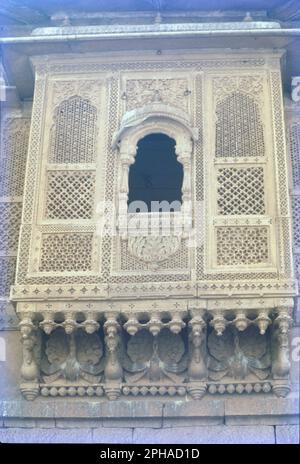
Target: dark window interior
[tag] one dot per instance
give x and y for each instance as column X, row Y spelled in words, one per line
column 156, row 175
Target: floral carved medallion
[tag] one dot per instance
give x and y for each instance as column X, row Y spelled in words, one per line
column 153, row 249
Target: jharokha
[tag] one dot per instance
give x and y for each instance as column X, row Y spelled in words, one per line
column 114, row 300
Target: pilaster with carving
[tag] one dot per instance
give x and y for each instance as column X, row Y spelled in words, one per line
column 30, row 369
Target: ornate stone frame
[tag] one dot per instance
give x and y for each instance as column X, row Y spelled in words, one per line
column 155, row 117
column 136, row 124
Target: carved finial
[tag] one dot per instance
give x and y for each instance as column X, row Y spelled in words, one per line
column 132, row 325
column 48, row 324
column 176, row 324
column 155, row 325
column 241, row 322
column 90, row 324
column 219, row 323
column 263, row 321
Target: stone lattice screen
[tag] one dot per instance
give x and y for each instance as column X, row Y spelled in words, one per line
column 13, row 154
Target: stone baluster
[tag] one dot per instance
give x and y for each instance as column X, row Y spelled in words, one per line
column 197, row 370
column 280, row 352
column 113, row 371
column 29, row 369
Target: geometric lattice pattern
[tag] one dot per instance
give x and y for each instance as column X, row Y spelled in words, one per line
column 297, row 268
column 66, row 252
column 241, row 191
column 294, row 142
column 13, row 153
column 10, row 220
column 74, row 132
column 7, row 274
column 70, row 194
column 242, row 245
column 239, row 131
column 296, row 220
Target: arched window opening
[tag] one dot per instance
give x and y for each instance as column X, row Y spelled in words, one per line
column 156, row 175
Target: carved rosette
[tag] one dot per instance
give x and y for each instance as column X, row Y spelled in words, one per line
column 153, row 250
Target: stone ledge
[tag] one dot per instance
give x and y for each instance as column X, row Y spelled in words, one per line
column 265, row 411
column 260, row 409
column 20, row 435
column 217, row 434
column 208, row 411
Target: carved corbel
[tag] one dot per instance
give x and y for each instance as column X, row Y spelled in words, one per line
column 70, row 324
column 91, row 323
column 263, row 321
column 176, row 324
column 48, row 324
column 197, row 370
column 280, row 352
column 218, row 322
column 241, row 322
column 113, row 371
column 30, row 372
column 132, row 324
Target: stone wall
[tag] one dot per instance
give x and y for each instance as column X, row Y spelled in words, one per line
column 49, row 432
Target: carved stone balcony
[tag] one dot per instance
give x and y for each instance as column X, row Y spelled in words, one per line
column 189, row 350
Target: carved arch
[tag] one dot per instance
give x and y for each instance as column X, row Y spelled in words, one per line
column 154, row 118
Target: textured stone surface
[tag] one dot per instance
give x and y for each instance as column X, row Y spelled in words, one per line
column 19, row 435
column 114, row 435
column 262, row 410
column 205, row 411
column 152, row 422
column 212, row 410
column 78, row 423
column 178, row 435
column 288, row 434
column 19, row 422
column 207, row 435
column 45, row 423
